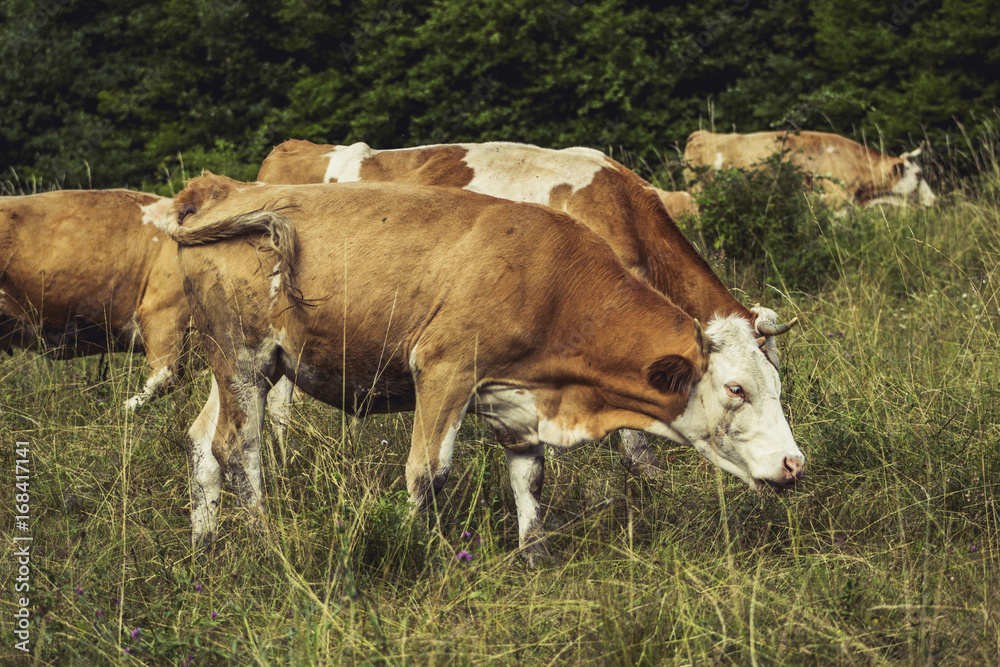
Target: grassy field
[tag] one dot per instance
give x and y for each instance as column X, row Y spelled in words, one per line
column 888, row 554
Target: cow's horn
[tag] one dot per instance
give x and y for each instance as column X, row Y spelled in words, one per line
column 769, row 329
column 761, row 341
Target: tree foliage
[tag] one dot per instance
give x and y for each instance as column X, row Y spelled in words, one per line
column 110, row 94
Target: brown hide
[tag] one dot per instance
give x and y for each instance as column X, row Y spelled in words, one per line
column 83, row 268
column 863, row 174
column 618, row 205
column 417, row 298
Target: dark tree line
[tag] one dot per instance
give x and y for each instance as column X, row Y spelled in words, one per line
column 113, row 94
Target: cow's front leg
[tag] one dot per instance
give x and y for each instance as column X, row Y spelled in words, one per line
column 637, row 457
column 438, row 415
column 527, row 475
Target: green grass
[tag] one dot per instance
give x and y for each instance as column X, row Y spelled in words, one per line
column 889, row 554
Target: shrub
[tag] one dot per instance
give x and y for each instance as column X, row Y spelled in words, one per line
column 768, row 220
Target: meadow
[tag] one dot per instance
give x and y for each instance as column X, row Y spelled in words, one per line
column 889, row 553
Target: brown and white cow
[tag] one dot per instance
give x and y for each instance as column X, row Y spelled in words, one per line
column 91, row 271
column 393, row 297
column 854, row 173
column 591, row 187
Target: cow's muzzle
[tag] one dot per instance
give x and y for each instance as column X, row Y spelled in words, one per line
column 793, row 471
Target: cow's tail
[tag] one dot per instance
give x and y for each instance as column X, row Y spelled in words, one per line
column 278, row 238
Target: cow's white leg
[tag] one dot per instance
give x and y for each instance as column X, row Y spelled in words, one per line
column 206, row 478
column 154, row 384
column 637, row 457
column 279, row 408
column 527, row 475
column 241, row 459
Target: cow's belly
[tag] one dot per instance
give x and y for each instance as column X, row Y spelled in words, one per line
column 385, row 390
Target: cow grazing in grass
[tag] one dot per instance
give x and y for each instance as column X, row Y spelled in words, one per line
column 591, row 187
column 91, row 271
column 854, row 173
column 392, row 297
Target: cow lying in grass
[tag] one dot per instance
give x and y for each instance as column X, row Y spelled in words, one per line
column 391, row 297
column 597, row 191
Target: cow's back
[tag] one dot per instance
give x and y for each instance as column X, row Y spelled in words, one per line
column 295, row 161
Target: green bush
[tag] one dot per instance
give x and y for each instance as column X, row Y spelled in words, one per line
column 768, row 220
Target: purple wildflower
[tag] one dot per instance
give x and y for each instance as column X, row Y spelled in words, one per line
column 79, row 591
column 464, row 555
column 116, row 602
column 197, row 588
column 466, row 535
column 215, row 615
column 99, row 614
column 135, row 633
column 188, row 659
column 972, row 548
column 127, row 650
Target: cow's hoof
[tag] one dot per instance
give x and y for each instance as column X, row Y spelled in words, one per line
column 535, row 551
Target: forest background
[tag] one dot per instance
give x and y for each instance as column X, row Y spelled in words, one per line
column 113, row 94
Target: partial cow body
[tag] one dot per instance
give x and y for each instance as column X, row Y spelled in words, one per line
column 591, row 187
column 389, row 297
column 854, row 173
column 91, row 271
column 679, row 204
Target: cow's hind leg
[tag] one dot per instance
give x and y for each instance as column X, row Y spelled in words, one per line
column 206, row 478
column 442, row 401
column 237, row 400
column 279, row 409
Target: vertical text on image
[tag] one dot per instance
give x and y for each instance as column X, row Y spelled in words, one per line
column 22, row 544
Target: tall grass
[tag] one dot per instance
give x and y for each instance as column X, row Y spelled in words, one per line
column 889, row 554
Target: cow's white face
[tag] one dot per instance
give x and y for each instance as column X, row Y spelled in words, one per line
column 734, row 418
column 912, row 184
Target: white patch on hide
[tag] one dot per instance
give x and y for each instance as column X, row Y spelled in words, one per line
column 157, row 213
column 554, row 434
column 345, row 163
column 521, row 172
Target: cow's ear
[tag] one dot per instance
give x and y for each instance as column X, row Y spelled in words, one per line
column 672, row 374
column 200, row 192
column 899, row 168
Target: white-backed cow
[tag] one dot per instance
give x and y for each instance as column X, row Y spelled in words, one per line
column 855, row 173
column 390, row 297
column 91, row 271
column 591, row 187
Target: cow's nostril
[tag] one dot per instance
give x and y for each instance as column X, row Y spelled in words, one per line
column 793, row 467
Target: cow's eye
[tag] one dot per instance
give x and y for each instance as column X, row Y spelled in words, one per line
column 736, row 391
